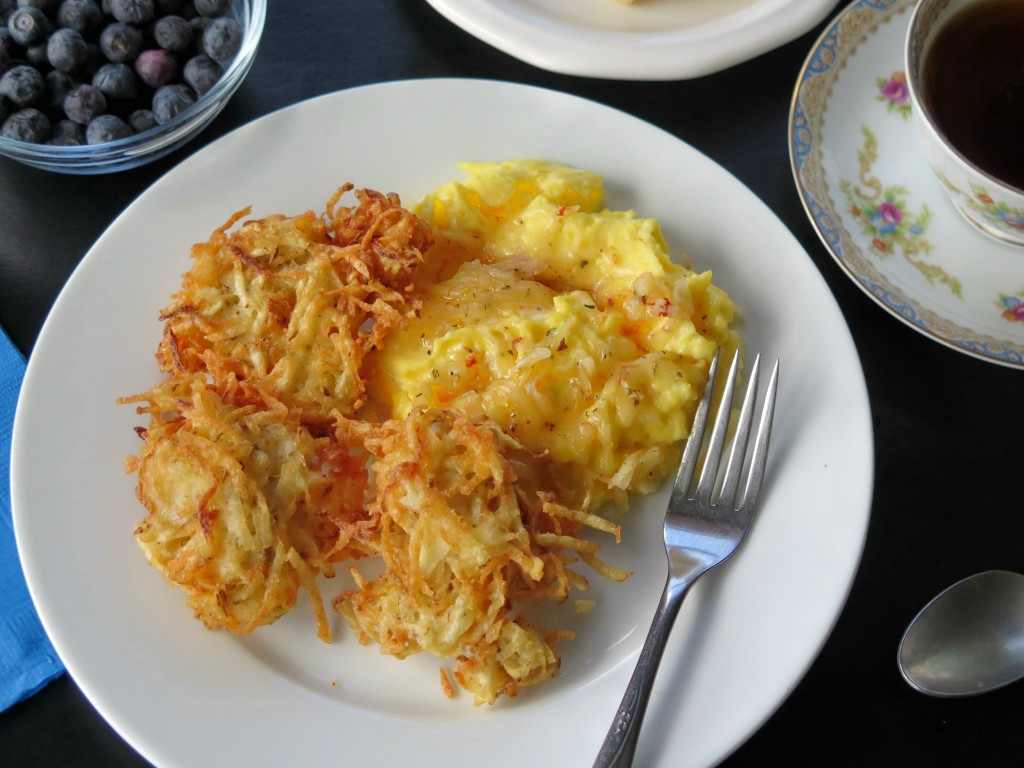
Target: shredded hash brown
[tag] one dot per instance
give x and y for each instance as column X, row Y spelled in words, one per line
column 263, row 466
column 250, row 497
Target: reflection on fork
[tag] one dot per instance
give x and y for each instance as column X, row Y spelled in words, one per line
column 702, row 529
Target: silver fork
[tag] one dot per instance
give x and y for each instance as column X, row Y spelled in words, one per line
column 700, row 533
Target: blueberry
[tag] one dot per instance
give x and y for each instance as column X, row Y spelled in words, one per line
column 120, row 42
column 82, row 15
column 202, row 72
column 222, row 39
column 28, row 26
column 171, row 100
column 27, row 125
column 104, row 128
column 66, row 133
column 84, row 102
column 67, row 50
column 212, row 8
column 132, row 11
column 142, row 120
column 173, row 33
column 57, row 86
column 23, row 85
column 117, row 82
column 156, row 67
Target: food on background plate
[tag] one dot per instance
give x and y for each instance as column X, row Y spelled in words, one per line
column 456, row 391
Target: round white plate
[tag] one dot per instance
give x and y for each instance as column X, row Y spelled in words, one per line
column 879, row 209
column 185, row 696
column 645, row 40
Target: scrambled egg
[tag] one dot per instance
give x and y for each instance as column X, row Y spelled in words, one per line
column 566, row 324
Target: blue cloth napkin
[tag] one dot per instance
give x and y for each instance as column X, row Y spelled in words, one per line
column 27, row 660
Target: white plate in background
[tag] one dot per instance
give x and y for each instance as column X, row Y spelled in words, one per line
column 644, row 40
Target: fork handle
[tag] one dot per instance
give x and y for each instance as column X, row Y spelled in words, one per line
column 620, row 743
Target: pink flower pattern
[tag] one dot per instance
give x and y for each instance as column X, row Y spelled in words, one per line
column 894, row 92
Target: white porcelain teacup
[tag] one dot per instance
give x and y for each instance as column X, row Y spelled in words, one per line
column 993, row 205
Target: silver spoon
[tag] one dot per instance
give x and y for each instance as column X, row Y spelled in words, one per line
column 969, row 639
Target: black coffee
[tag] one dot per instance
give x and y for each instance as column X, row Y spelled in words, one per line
column 972, row 82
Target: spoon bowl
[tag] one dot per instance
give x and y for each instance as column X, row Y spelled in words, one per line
column 969, row 639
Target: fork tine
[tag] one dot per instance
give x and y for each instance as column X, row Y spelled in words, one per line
column 760, row 455
column 741, row 438
column 713, row 459
column 692, row 450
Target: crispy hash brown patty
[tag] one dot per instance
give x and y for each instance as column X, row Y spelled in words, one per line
column 460, row 542
column 249, row 495
column 371, row 383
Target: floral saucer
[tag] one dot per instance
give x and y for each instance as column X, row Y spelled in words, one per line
column 876, row 204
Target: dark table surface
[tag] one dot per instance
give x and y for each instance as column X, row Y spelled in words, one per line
column 948, row 491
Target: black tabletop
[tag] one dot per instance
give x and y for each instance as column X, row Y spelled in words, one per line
column 948, row 490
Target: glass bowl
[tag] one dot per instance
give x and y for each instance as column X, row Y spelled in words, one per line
column 145, row 147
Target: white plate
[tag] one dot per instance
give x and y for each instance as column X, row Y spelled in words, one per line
column 647, row 40
column 184, row 696
column 868, row 190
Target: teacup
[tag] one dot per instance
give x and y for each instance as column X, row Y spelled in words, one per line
column 942, row 80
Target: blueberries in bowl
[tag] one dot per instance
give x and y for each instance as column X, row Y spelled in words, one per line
column 118, row 83
column 212, row 8
column 83, row 16
column 22, row 85
column 120, row 43
column 157, row 67
column 66, row 50
column 26, row 125
column 201, row 73
column 133, row 11
column 173, row 33
column 136, row 63
column 170, row 101
column 142, row 120
column 84, row 103
column 28, row 26
column 104, row 128
column 67, row 133
column 222, row 39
